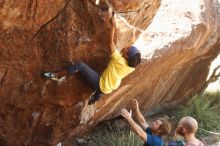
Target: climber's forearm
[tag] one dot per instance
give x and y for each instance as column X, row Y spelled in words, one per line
column 133, row 35
column 140, row 119
column 137, row 129
column 111, row 39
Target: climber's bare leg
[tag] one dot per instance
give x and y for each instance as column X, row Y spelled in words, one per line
column 60, row 74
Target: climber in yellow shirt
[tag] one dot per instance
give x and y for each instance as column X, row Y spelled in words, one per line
column 120, row 65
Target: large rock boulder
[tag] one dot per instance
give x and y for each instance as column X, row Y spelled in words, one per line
column 37, row 36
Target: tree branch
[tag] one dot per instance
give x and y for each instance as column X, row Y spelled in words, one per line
column 214, row 77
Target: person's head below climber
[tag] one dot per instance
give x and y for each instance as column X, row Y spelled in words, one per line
column 151, row 135
column 187, row 125
column 132, row 55
column 160, row 127
column 187, row 128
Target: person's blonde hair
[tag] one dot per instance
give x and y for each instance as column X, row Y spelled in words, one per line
column 164, row 128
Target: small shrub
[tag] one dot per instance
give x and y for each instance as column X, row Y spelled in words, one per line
column 206, row 110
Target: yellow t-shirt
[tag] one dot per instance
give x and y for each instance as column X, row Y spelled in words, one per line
column 116, row 70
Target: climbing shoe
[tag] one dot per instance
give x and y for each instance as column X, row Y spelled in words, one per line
column 48, row 75
column 94, row 97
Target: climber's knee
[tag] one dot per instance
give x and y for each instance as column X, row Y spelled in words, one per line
column 76, row 67
column 80, row 65
column 72, row 68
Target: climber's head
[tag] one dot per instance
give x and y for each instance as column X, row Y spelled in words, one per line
column 187, row 125
column 161, row 127
column 132, row 55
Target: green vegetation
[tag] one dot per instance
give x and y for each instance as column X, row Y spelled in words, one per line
column 119, row 138
column 206, row 110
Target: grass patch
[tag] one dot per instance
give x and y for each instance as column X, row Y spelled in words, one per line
column 118, row 138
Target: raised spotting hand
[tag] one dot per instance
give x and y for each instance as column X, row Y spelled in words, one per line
column 127, row 115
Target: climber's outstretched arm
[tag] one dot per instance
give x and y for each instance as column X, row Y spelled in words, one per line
column 111, row 33
column 135, row 127
column 139, row 116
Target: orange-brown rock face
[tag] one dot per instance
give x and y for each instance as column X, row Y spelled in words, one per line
column 37, row 35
